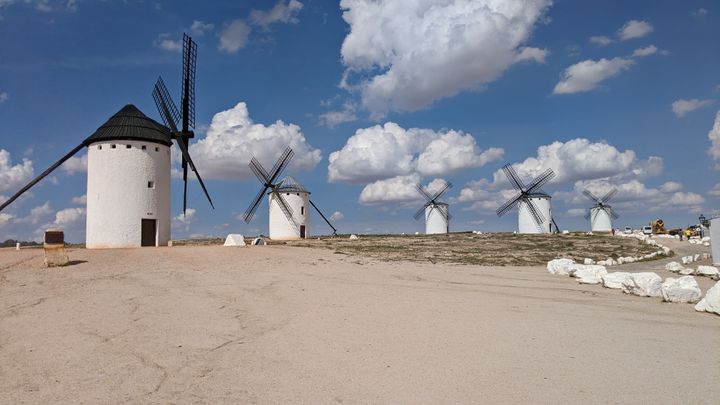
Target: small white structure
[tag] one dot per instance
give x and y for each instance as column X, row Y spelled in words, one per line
column 234, row 239
column 298, row 199
column 128, row 182
column 715, row 240
column 435, row 218
column 600, row 220
column 526, row 221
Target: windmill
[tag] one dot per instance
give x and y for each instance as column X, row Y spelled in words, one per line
column 170, row 115
column 287, row 200
column 128, row 174
column 601, row 214
column 534, row 212
column 437, row 214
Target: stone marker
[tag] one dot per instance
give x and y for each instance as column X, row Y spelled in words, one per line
column 54, row 247
column 17, row 246
column 234, row 239
column 353, row 236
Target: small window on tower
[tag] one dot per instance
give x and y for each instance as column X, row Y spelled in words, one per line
column 99, row 147
column 143, row 147
column 128, row 146
column 302, row 210
column 112, row 146
column 157, row 149
column 151, row 184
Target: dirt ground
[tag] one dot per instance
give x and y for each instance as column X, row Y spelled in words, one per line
column 279, row 324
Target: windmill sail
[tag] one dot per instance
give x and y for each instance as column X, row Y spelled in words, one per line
column 525, row 194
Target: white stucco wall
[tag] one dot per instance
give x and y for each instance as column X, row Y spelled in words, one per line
column 280, row 227
column 526, row 222
column 118, row 196
column 600, row 220
column 434, row 220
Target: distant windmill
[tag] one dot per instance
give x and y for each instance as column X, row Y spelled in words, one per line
column 287, row 200
column 601, row 214
column 437, row 213
column 534, row 211
column 128, row 176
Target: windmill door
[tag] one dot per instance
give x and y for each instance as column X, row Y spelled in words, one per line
column 302, row 231
column 148, row 232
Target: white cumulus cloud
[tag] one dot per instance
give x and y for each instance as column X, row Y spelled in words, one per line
column 285, row 12
column 333, row 118
column 167, row 42
column 69, row 216
column 199, row 28
column 601, row 40
column 381, row 152
column 682, row 107
column 588, row 74
column 80, row 200
column 337, row 216
column 409, row 53
column 634, row 29
column 75, row 165
column 233, row 139
column 671, row 187
column 647, row 51
column 713, row 135
column 399, row 189
column 234, row 36
column 13, row 176
column 4, row 96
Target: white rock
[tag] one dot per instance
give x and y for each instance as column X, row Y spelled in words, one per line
column 560, row 266
column 666, row 250
column 234, row 239
column 708, row 271
column 602, row 263
column 674, row 267
column 683, row 289
column 706, row 239
column 687, row 271
column 686, row 259
column 565, row 232
column 588, row 261
column 258, row 242
column 353, row 236
column 696, row 257
column 587, row 274
column 643, row 284
column 614, row 280
column 706, row 256
column 706, row 243
column 711, row 302
column 620, row 260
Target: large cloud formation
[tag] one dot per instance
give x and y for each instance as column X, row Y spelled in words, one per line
column 233, row 139
column 399, row 189
column 713, row 135
column 597, row 166
column 412, row 52
column 382, row 152
column 13, row 176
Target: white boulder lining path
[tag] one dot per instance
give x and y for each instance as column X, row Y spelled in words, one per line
column 684, row 289
column 662, row 251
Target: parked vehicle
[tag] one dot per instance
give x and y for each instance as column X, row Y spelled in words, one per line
column 628, row 230
column 647, row 230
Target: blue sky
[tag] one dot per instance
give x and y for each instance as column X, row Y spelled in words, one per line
column 609, row 94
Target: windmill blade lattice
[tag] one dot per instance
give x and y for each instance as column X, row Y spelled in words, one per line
column 433, row 201
column 172, row 117
column 268, row 180
column 525, row 193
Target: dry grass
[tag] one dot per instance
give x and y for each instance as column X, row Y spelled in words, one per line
column 497, row 249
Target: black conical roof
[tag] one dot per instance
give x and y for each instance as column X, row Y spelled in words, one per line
column 131, row 124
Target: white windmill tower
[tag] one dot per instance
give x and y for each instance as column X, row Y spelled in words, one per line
column 288, row 201
column 128, row 177
column 601, row 214
column 534, row 208
column 437, row 213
